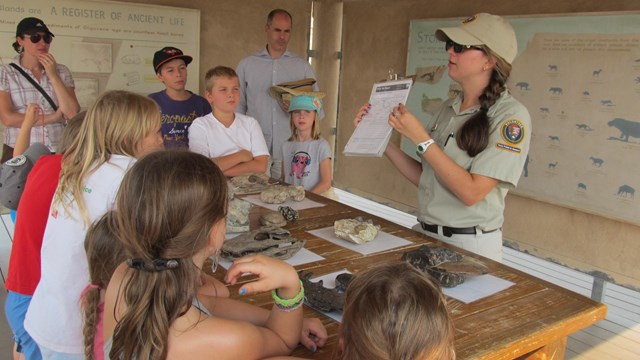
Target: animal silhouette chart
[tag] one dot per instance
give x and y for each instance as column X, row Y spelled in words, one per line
column 579, row 77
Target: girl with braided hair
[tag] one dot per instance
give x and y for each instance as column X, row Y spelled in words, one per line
column 474, row 147
column 104, row 254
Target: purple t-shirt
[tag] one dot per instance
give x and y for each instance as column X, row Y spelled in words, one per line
column 177, row 116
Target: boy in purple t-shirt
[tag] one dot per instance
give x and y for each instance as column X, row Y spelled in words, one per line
column 179, row 106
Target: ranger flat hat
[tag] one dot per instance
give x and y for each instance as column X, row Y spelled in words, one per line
column 484, row 29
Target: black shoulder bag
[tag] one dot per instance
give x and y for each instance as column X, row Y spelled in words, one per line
column 36, row 85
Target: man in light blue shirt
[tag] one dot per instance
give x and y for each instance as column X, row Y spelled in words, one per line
column 271, row 66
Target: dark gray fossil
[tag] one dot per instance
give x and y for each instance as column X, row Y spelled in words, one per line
column 322, row 298
column 289, row 213
column 268, row 240
column 446, row 266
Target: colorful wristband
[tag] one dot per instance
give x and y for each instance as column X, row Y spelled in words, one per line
column 289, row 304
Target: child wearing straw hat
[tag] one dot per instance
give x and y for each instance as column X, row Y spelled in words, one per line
column 306, row 156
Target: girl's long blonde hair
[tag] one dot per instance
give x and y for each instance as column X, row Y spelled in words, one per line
column 115, row 124
column 395, row 312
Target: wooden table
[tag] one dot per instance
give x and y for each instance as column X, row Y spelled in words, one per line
column 530, row 320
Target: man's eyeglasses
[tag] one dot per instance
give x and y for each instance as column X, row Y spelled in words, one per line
column 457, row 48
column 35, row 38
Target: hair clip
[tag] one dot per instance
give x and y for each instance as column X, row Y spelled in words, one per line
column 155, row 265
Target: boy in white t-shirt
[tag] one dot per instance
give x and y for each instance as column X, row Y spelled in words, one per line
column 233, row 141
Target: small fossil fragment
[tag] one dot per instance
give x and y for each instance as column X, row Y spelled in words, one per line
column 289, row 213
column 322, row 298
column 272, row 218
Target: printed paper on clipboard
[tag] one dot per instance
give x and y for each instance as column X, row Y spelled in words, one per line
column 372, row 134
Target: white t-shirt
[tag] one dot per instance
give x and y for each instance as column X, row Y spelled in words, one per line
column 54, row 318
column 209, row 137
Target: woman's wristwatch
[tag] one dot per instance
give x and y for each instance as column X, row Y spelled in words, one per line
column 423, row 146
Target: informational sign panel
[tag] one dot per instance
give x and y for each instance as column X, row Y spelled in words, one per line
column 579, row 77
column 107, row 45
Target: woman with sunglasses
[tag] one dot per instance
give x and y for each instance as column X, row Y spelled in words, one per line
column 474, row 147
column 33, row 40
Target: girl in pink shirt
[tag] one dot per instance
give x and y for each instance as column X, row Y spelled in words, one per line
column 104, row 254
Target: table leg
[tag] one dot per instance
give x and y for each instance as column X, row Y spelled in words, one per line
column 552, row 351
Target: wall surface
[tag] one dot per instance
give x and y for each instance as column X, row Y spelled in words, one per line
column 375, row 40
column 233, row 29
column 327, row 42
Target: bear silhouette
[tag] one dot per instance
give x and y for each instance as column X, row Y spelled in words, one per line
column 627, row 128
column 626, row 191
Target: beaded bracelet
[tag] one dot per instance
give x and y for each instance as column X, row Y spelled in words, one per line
column 289, row 304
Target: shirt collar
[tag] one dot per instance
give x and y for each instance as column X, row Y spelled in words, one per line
column 457, row 102
column 264, row 53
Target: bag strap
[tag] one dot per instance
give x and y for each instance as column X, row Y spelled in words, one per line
column 36, row 85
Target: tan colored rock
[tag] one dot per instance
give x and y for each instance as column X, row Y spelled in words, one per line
column 356, row 230
column 249, row 184
column 272, row 218
column 238, row 216
column 278, row 194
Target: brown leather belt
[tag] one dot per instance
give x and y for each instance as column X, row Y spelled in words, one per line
column 448, row 231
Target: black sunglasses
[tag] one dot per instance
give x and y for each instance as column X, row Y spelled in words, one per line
column 35, row 38
column 457, row 48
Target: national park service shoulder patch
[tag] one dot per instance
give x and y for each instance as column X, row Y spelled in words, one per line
column 512, row 132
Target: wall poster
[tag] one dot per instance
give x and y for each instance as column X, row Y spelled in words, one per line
column 579, row 77
column 107, row 45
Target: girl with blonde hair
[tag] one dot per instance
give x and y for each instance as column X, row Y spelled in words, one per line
column 170, row 220
column 119, row 127
column 393, row 311
column 307, row 156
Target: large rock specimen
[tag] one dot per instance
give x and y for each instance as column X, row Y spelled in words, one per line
column 238, row 216
column 446, row 266
column 249, row 184
column 278, row 194
column 268, row 240
column 356, row 230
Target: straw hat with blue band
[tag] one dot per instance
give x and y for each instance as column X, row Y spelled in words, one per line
column 484, row 29
column 286, row 90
